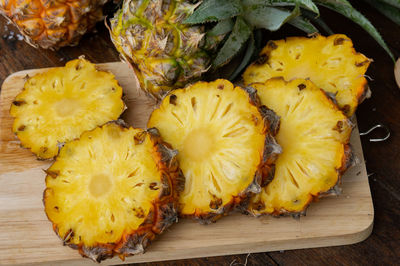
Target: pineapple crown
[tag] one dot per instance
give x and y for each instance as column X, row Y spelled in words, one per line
column 238, row 20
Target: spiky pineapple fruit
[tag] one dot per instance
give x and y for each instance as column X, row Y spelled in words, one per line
column 314, row 135
column 58, row 105
column 112, row 191
column 50, row 23
column 224, row 144
column 164, row 53
column 330, row 62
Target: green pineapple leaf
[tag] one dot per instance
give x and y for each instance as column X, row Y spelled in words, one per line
column 395, row 3
column 214, row 10
column 303, row 24
column 239, row 35
column 222, row 27
column 386, row 9
column 344, row 7
column 307, row 4
column 270, row 18
column 246, row 58
column 318, row 21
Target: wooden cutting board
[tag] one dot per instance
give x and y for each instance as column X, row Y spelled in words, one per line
column 26, row 236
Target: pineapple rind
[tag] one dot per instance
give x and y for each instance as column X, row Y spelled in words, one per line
column 164, row 52
column 330, row 62
column 53, row 24
column 222, row 175
column 314, row 135
column 58, row 105
column 136, row 208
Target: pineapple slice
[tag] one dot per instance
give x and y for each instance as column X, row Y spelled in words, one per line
column 112, row 191
column 330, row 62
column 224, row 145
column 314, row 135
column 58, row 105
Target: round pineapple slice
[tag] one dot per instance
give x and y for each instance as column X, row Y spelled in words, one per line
column 112, row 191
column 314, row 135
column 58, row 105
column 224, row 145
column 330, row 62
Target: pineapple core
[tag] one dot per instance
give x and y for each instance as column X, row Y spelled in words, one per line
column 66, row 107
column 100, row 185
column 198, row 145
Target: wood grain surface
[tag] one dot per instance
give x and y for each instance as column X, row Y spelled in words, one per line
column 382, row 159
column 346, row 219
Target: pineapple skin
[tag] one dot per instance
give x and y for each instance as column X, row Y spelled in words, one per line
column 162, row 215
column 351, row 92
column 347, row 158
column 42, row 92
column 269, row 152
column 164, row 53
column 53, row 24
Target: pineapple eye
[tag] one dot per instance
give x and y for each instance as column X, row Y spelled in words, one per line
column 301, row 86
column 172, row 99
column 19, row 102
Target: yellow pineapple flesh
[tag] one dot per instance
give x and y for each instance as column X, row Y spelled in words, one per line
column 58, row 105
column 112, row 191
column 314, row 135
column 330, row 62
column 224, row 145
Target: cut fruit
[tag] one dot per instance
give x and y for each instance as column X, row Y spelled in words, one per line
column 112, row 191
column 314, row 135
column 58, row 105
column 224, row 142
column 330, row 62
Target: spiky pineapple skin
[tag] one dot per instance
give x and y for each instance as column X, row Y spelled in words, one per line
column 52, row 24
column 339, row 128
column 164, row 53
column 161, row 215
column 59, row 104
column 202, row 98
column 330, row 62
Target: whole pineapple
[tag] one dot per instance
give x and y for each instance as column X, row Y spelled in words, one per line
column 112, row 191
column 57, row 105
column 224, row 142
column 314, row 135
column 53, row 23
column 164, row 52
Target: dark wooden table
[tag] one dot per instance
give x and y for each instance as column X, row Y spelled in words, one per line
column 383, row 159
